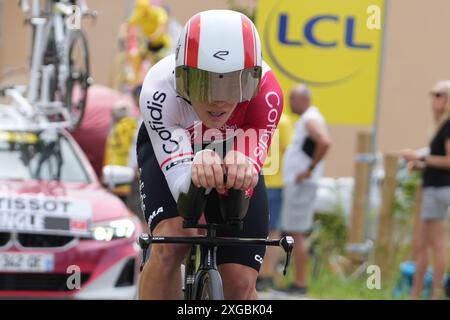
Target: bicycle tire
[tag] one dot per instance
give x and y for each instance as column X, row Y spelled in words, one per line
column 209, row 286
column 51, row 57
column 82, row 78
column 189, row 273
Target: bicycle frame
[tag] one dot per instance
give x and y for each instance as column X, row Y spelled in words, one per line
column 41, row 39
column 39, row 103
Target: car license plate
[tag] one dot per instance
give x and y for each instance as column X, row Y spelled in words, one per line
column 26, row 262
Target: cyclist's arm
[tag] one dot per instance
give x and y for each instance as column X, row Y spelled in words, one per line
column 262, row 117
column 172, row 147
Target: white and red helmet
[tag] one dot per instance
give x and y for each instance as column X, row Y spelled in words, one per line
column 218, row 58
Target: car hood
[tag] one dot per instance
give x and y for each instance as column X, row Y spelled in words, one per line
column 104, row 205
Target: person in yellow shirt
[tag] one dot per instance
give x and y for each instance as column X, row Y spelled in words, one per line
column 274, row 184
column 120, row 142
column 143, row 39
column 152, row 21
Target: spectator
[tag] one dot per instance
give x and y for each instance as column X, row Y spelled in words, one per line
column 132, row 159
column 302, row 169
column 93, row 132
column 120, row 141
column 436, row 194
column 153, row 22
column 274, row 183
column 134, row 198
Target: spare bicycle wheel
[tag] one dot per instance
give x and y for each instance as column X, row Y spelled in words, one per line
column 79, row 79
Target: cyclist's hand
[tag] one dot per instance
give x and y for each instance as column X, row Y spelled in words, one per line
column 207, row 171
column 241, row 174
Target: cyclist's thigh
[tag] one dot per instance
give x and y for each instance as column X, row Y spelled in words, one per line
column 171, row 254
column 256, row 225
column 159, row 207
column 157, row 201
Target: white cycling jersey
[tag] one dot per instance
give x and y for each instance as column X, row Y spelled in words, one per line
column 175, row 129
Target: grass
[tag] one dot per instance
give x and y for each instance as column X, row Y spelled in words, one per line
column 329, row 238
column 327, row 285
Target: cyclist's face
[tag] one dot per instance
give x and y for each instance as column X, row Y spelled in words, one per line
column 214, row 114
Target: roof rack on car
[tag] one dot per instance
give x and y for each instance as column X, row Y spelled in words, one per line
column 20, row 115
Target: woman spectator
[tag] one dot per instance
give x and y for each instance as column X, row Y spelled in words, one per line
column 436, row 195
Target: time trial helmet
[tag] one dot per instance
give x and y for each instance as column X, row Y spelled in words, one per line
column 218, row 58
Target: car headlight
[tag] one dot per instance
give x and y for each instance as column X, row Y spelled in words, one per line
column 114, row 229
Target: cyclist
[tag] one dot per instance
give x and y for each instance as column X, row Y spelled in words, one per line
column 153, row 22
column 216, row 88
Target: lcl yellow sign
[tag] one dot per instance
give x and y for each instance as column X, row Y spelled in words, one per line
column 333, row 46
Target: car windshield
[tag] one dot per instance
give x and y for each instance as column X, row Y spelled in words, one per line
column 45, row 155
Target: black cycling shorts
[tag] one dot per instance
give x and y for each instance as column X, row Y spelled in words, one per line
column 158, row 205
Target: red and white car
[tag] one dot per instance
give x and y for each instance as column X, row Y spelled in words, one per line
column 62, row 234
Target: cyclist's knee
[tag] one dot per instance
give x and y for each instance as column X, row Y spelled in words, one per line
column 170, row 255
column 242, row 288
column 239, row 281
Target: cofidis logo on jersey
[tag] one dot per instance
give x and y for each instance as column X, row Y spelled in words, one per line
column 327, row 44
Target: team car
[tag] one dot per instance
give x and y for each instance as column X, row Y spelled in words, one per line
column 62, row 234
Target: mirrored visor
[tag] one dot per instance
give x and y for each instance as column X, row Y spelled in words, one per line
column 204, row 86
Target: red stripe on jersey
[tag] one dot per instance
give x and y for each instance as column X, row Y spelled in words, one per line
column 193, row 42
column 175, row 157
column 249, row 43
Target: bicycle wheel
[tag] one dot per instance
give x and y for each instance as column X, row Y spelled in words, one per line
column 189, row 273
column 210, row 286
column 51, row 58
column 78, row 80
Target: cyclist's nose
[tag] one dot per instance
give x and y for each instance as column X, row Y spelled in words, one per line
column 220, row 103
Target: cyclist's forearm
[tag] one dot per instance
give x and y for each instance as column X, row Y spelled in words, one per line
column 179, row 180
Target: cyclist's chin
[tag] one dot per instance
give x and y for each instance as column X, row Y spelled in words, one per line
column 214, row 123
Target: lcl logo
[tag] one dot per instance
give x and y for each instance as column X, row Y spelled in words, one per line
column 336, row 37
column 312, row 37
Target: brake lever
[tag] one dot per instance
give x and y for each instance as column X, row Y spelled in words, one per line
column 287, row 243
column 144, row 242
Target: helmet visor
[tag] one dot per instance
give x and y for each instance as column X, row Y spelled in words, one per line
column 199, row 85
